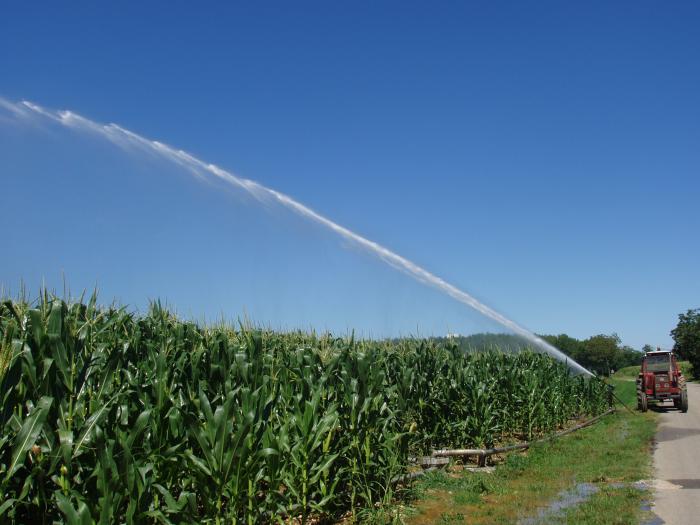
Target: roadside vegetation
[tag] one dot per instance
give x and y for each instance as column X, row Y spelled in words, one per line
column 686, row 336
column 628, row 373
column 595, row 471
column 112, row 416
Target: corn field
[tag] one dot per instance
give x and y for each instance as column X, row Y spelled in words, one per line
column 109, row 416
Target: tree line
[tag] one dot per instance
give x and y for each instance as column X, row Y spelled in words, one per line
column 601, row 353
column 686, row 338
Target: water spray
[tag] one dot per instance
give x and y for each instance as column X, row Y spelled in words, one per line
column 125, row 138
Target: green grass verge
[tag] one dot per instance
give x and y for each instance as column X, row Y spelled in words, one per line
column 629, row 372
column 611, row 454
column 609, row 505
column 625, row 391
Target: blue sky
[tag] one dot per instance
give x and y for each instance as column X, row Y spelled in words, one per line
column 544, row 158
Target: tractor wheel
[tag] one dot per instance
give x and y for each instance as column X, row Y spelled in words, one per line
column 643, row 403
column 684, row 400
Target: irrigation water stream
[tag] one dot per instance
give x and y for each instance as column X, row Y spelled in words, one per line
column 125, row 138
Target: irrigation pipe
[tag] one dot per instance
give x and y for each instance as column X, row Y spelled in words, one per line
column 519, row 446
column 485, row 452
column 412, row 475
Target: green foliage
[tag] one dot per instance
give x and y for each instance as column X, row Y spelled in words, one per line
column 686, row 336
column 600, row 353
column 112, row 417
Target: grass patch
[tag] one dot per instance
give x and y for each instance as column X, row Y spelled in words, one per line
column 625, row 391
column 613, row 451
column 610, row 505
column 629, row 372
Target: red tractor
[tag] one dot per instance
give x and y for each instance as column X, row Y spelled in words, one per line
column 660, row 379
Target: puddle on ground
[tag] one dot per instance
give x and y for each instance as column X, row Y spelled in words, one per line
column 648, row 506
column 639, row 485
column 655, row 520
column 566, row 499
column 573, row 497
column 652, row 518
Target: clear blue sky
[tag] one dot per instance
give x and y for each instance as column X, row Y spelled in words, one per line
column 544, row 156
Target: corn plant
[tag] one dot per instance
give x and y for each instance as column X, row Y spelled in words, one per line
column 109, row 416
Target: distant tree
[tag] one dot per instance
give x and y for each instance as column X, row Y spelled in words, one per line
column 686, row 336
column 567, row 344
column 602, row 352
column 628, row 356
column 647, row 348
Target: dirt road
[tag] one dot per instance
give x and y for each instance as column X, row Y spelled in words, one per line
column 677, row 462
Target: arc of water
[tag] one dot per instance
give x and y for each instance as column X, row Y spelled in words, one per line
column 124, row 137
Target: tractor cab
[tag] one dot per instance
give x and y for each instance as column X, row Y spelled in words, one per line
column 660, row 379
